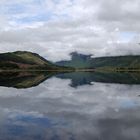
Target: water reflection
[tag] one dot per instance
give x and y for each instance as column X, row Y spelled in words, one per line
column 24, row 79
column 86, row 78
column 31, row 79
column 54, row 110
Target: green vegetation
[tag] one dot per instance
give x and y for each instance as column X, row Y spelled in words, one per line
column 77, row 61
column 115, row 63
column 23, row 60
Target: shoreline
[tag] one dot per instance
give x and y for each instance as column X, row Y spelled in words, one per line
column 74, row 70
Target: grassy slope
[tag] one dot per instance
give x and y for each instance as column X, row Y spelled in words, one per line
column 77, row 61
column 25, row 60
column 104, row 62
column 118, row 61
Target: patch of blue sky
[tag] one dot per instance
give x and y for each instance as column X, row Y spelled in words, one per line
column 37, row 18
column 15, row 9
column 38, row 1
column 128, row 104
column 72, row 1
column 42, row 1
column 11, row 10
column 56, row 1
column 62, row 16
column 43, row 17
column 127, row 36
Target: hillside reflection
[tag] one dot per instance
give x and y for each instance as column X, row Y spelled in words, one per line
column 23, row 79
column 31, row 79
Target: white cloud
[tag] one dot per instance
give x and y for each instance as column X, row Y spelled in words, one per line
column 56, row 28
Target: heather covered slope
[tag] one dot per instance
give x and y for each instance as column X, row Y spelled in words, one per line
column 25, row 60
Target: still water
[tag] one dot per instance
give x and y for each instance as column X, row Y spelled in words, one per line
column 69, row 106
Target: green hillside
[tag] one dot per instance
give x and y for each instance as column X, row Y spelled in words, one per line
column 77, row 61
column 113, row 63
column 23, row 60
column 117, row 61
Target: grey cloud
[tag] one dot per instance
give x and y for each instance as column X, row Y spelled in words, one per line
column 90, row 27
column 119, row 10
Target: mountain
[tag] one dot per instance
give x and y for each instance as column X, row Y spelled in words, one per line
column 115, row 62
column 25, row 60
column 77, row 61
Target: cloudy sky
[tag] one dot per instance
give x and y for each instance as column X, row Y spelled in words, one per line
column 54, row 28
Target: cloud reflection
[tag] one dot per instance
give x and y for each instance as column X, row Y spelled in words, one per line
column 55, row 110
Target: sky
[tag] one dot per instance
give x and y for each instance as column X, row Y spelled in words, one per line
column 55, row 28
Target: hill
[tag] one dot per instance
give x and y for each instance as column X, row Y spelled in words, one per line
column 128, row 62
column 23, row 60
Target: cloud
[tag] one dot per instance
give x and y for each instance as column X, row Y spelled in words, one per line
column 55, row 28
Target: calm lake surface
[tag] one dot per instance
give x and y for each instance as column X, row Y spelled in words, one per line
column 69, row 106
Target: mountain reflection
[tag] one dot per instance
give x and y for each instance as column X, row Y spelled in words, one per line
column 30, row 79
column 86, row 78
column 23, row 79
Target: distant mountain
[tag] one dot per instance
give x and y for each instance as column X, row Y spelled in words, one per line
column 114, row 62
column 25, row 60
column 77, row 61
